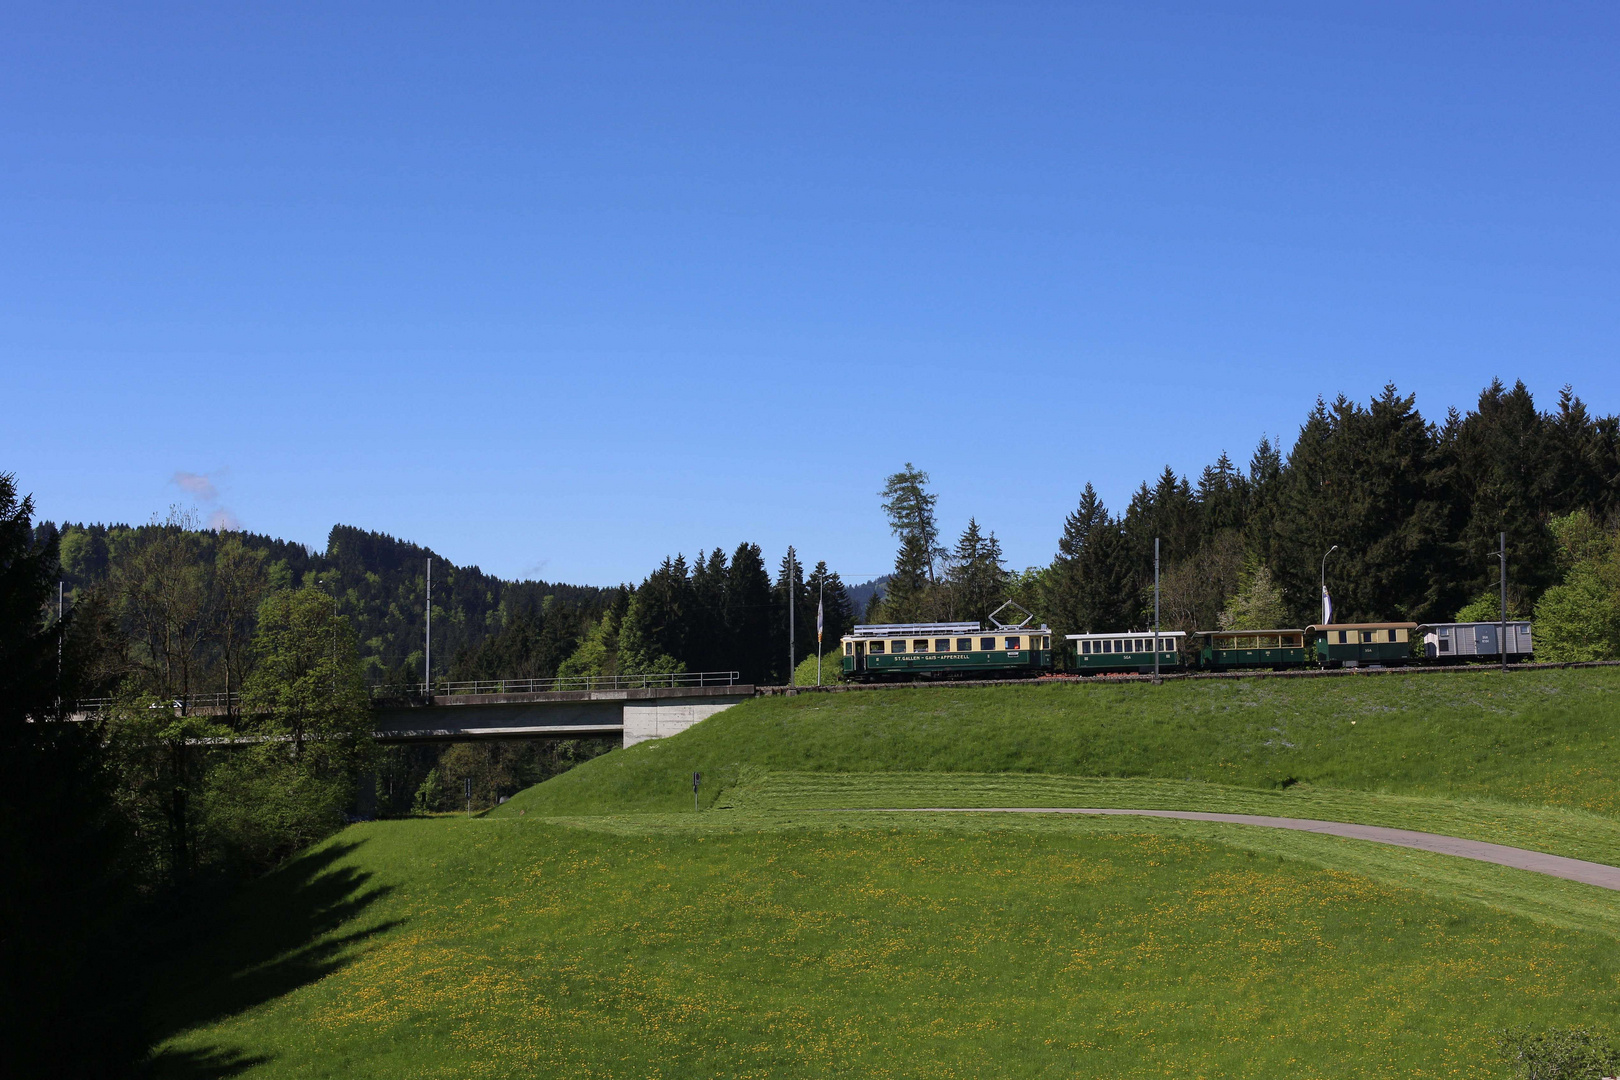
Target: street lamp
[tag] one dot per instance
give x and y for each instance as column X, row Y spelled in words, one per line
column 1326, row 614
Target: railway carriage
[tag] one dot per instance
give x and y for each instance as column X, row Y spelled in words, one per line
column 945, row 650
column 1130, row 651
column 1457, row 643
column 1384, row 644
column 1224, row 650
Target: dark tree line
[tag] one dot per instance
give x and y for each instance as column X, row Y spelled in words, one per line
column 728, row 615
column 1414, row 508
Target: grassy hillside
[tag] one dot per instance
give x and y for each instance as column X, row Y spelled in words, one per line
column 1543, row 737
column 712, row 945
column 596, row 927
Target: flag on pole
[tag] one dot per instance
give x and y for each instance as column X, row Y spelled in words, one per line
column 819, row 620
column 1327, row 607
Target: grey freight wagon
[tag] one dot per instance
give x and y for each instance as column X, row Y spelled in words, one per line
column 1463, row 641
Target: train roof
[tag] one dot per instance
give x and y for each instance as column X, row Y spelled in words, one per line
column 1125, row 633
column 896, row 629
column 1363, row 626
column 1451, row 625
column 1238, row 633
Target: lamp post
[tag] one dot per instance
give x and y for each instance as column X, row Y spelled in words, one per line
column 1156, row 679
column 1502, row 639
column 1325, row 555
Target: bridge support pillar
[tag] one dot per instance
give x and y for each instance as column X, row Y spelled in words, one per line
column 661, row 718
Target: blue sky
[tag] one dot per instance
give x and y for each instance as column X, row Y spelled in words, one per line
column 558, row 290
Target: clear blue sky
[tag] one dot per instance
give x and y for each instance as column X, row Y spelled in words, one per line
column 560, row 289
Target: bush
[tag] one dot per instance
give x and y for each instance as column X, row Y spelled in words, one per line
column 1559, row 1054
column 832, row 668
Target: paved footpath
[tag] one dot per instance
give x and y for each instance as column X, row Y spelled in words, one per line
column 1590, row 873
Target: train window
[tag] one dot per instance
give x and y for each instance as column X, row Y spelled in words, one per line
column 1100, row 646
column 877, row 647
column 1343, row 636
column 1085, row 648
column 964, row 644
column 942, row 645
column 1119, row 646
column 1012, row 644
column 987, row 643
column 897, row 646
column 1445, row 645
column 1392, row 634
column 1168, row 645
column 920, row 645
column 849, row 649
column 1046, row 643
column 1366, row 637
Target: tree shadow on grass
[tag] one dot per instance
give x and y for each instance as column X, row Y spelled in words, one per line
column 284, row 932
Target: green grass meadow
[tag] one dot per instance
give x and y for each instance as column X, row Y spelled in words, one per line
column 595, row 926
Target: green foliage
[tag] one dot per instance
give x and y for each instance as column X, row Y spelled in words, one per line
column 598, row 654
column 832, row 668
column 1559, row 1054
column 433, row 796
column 1257, row 605
column 306, row 706
column 1579, row 619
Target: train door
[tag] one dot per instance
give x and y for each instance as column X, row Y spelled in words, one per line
column 1485, row 640
column 860, row 656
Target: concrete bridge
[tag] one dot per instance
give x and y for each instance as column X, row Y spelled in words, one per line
column 634, row 707
column 634, row 713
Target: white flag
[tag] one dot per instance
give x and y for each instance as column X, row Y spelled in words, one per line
column 818, row 620
column 1327, row 607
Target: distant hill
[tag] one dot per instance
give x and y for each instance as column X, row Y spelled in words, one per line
column 380, row 582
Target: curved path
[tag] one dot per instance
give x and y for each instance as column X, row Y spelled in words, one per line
column 1589, row 873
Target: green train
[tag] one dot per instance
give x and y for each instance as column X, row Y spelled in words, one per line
column 954, row 650
column 910, row 651
column 1384, row 644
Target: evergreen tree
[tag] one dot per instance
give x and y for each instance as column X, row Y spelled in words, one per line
column 1369, row 480
column 910, row 509
column 65, row 1006
column 790, row 581
column 708, row 647
column 1222, row 498
column 753, row 634
column 977, row 580
column 1498, row 481
column 838, row 614
column 1087, row 582
column 654, row 635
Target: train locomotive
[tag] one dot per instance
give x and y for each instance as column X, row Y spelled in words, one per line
column 947, row 650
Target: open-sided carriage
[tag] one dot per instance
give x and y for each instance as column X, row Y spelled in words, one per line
column 1228, row 650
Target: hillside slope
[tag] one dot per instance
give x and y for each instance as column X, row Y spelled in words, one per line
column 1541, row 737
column 723, row 945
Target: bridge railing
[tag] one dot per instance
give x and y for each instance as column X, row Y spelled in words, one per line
column 191, row 703
column 574, row 683
column 417, row 692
